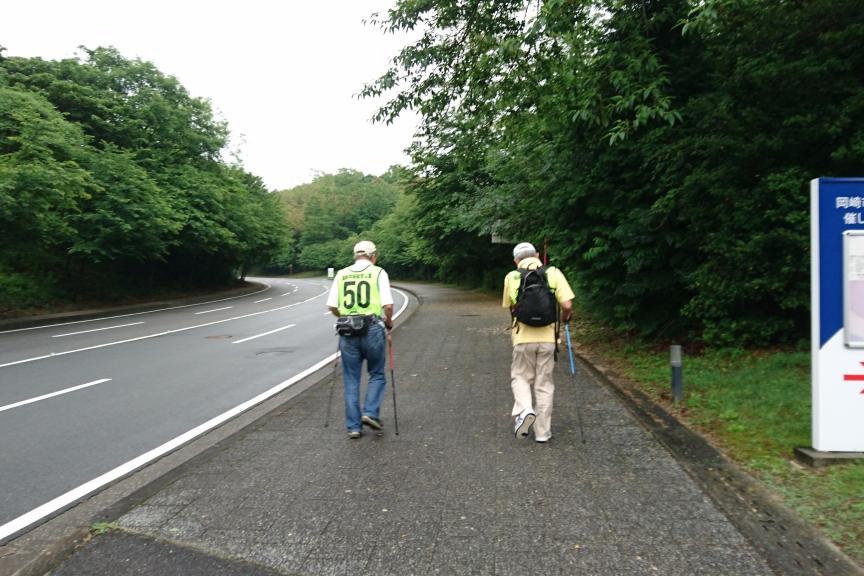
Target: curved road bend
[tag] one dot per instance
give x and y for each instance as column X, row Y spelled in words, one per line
column 84, row 402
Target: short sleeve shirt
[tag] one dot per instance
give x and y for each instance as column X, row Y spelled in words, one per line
column 523, row 333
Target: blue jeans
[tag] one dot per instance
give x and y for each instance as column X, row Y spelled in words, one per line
column 371, row 347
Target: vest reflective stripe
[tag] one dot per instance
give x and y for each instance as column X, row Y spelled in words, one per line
column 358, row 291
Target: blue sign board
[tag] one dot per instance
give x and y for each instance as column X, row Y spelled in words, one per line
column 840, row 209
column 837, row 245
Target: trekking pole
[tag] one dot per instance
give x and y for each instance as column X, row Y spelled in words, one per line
column 332, row 386
column 573, row 380
column 393, row 380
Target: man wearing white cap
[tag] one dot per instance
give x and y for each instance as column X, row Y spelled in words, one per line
column 534, row 346
column 361, row 298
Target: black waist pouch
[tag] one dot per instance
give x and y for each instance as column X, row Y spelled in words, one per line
column 355, row 325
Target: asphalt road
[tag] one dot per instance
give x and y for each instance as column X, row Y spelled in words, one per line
column 86, row 402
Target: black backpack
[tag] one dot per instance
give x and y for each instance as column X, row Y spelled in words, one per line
column 536, row 304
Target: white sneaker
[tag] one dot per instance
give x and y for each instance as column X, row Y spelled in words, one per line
column 543, row 439
column 524, row 422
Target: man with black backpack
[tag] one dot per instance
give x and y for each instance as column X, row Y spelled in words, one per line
column 539, row 297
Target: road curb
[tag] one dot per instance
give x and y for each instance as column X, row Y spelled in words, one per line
column 790, row 545
column 80, row 315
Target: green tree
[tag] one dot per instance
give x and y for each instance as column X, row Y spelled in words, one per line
column 334, row 208
column 127, row 103
column 42, row 182
column 127, row 217
column 334, row 253
column 112, row 181
column 667, row 170
column 402, row 251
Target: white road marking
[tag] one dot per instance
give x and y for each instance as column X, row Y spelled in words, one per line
column 51, row 395
column 264, row 334
column 264, row 300
column 214, row 310
column 96, row 330
column 145, row 337
column 267, row 287
column 404, row 302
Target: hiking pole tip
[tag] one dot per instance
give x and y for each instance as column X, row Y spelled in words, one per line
column 392, row 379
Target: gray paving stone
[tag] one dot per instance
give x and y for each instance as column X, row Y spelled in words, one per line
column 460, row 556
column 335, row 544
column 336, row 565
column 121, row 554
column 289, row 525
column 149, row 516
column 284, row 559
column 596, row 559
column 401, row 556
column 180, row 529
column 176, row 497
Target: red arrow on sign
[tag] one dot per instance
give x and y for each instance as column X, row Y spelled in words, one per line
column 855, row 377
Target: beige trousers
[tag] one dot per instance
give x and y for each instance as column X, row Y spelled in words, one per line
column 532, row 367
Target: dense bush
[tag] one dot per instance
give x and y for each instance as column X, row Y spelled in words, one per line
column 19, row 291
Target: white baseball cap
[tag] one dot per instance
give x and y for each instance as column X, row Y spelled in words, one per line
column 524, row 250
column 365, row 248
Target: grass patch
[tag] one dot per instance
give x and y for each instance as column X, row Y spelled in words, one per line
column 754, row 405
column 99, row 528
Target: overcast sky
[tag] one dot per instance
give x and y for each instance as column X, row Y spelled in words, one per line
column 282, row 73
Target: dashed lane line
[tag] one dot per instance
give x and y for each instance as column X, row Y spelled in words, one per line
column 264, row 334
column 52, row 394
column 214, row 310
column 97, row 329
column 156, row 335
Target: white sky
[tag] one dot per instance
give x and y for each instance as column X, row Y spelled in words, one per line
column 282, row 73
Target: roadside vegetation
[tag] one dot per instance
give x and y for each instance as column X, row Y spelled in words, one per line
column 113, row 187
column 754, row 405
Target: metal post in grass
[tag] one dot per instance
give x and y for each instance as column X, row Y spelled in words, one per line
column 677, row 380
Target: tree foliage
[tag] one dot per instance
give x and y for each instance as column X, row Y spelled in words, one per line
column 663, row 148
column 111, row 179
column 334, row 211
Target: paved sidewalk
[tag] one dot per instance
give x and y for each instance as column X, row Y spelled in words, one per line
column 454, row 493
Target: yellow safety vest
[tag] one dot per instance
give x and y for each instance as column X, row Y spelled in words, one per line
column 358, row 291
